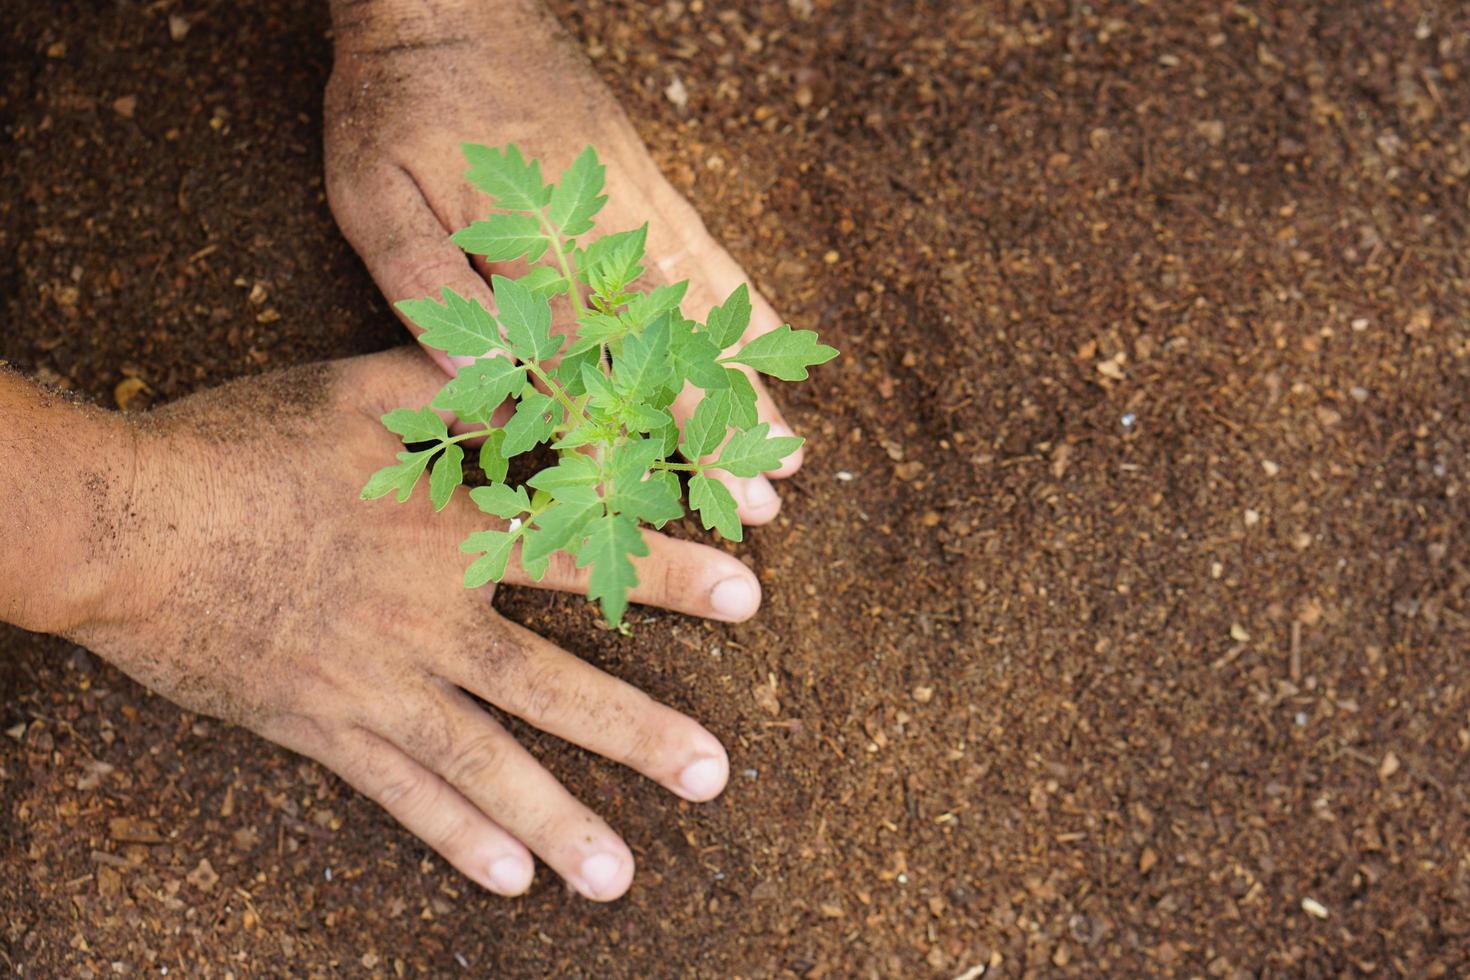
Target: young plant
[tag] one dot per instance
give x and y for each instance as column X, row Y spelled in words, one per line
column 600, row 397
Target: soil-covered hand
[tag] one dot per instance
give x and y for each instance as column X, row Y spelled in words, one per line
column 257, row 587
column 413, row 80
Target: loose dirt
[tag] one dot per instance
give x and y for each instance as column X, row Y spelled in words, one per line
column 1117, row 624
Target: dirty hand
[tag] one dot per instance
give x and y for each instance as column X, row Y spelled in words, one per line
column 413, row 79
column 252, row 584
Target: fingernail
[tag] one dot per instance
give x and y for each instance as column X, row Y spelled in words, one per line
column 510, row 876
column 759, row 494
column 601, row 874
column 733, row 598
column 780, row 429
column 703, row 779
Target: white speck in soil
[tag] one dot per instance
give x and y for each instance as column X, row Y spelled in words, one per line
column 844, row 476
column 1128, row 420
column 902, row 878
column 750, row 773
column 327, row 874
column 459, row 958
column 1301, row 719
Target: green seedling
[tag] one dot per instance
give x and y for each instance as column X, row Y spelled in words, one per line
column 600, row 396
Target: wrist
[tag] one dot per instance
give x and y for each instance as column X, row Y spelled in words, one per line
column 66, row 478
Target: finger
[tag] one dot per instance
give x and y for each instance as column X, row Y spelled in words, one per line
column 571, row 699
column 679, row 575
column 476, row 755
column 408, row 252
column 432, row 811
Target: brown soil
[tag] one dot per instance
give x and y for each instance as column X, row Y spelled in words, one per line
column 1136, row 645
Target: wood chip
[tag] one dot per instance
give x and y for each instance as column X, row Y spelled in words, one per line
column 133, row 830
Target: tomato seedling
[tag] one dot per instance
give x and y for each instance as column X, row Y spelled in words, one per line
column 600, row 397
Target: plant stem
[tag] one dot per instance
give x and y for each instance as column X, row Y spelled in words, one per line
column 557, row 392
column 553, row 235
column 684, row 467
column 468, row 435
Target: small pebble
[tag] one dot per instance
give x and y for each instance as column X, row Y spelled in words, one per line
column 750, row 773
column 1271, row 468
column 844, row 476
column 1314, row 908
column 1128, row 419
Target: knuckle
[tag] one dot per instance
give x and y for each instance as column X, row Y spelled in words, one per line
column 476, row 759
column 420, row 266
column 541, row 693
column 563, row 568
column 409, row 793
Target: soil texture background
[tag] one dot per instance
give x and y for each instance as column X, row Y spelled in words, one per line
column 1116, row 626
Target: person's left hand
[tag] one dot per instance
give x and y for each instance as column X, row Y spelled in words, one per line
column 412, row 81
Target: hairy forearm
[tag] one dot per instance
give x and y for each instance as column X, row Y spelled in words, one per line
column 65, row 476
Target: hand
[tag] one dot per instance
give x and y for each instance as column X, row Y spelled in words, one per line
column 413, row 81
column 276, row 599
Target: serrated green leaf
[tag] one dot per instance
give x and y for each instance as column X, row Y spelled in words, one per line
column 602, row 397
column 667, row 438
column 611, row 263
column 460, row 327
column 579, row 196
column 716, row 506
column 644, row 307
column 501, row 500
column 571, row 470
column 416, row 425
column 448, row 473
column 492, row 457
column 533, row 422
column 695, row 357
column 497, row 546
column 753, row 452
column 543, row 280
column 526, row 319
column 611, row 541
column 632, row 459
column 480, row 388
column 399, row 477
column 583, row 435
column 597, row 328
column 727, row 323
column 560, row 526
column 654, row 500
column 645, row 418
column 506, row 176
column 643, row 365
column 706, row 428
column 738, row 400
column 569, row 370
column 504, row 238
column 784, row 353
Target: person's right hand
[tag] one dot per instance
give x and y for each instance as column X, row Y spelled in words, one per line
column 252, row 584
